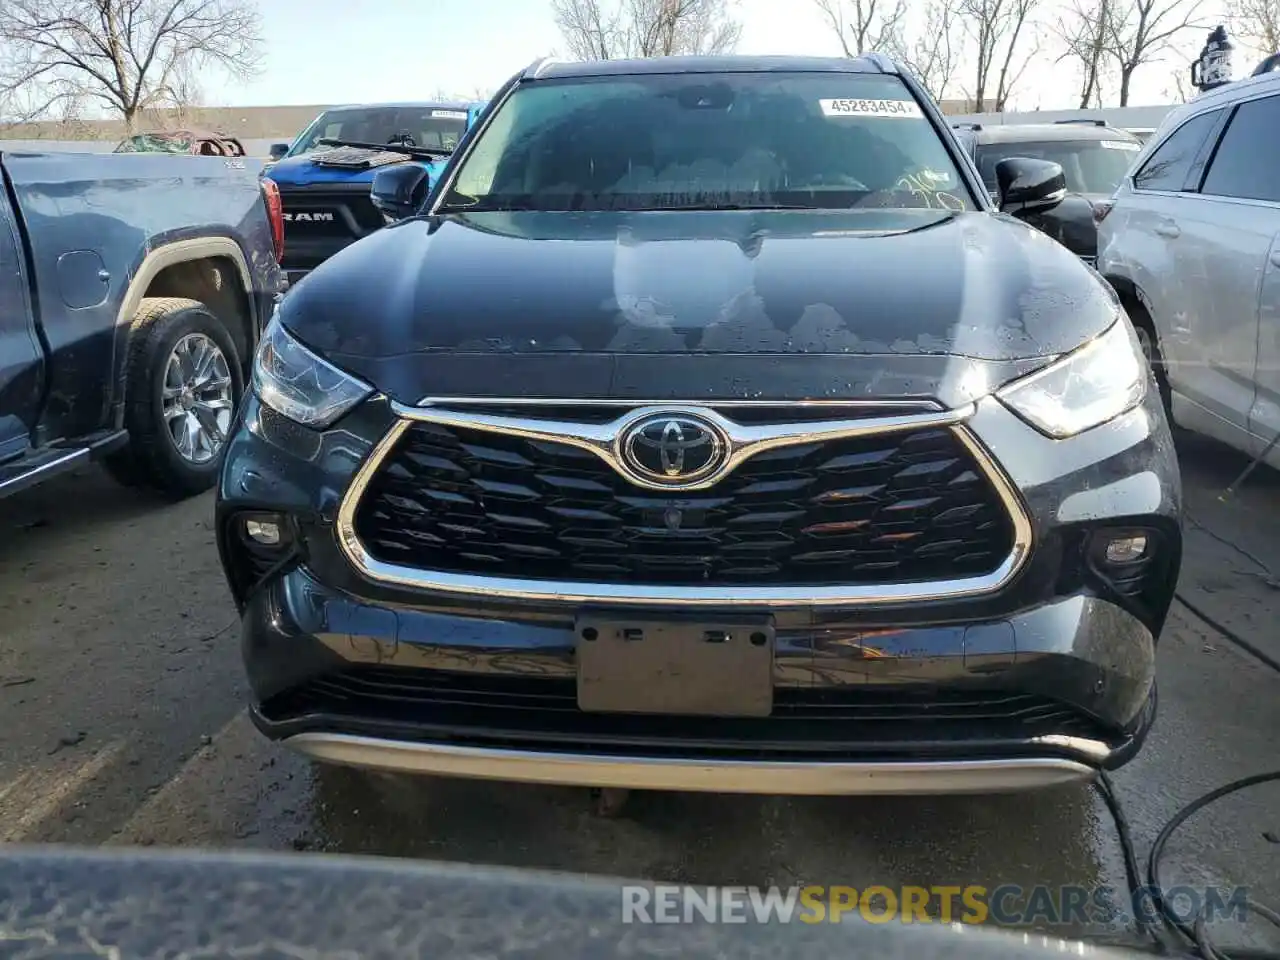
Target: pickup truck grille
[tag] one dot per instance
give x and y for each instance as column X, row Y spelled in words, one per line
column 322, row 220
column 889, row 508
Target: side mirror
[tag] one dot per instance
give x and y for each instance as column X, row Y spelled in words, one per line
column 1029, row 186
column 398, row 191
column 278, row 150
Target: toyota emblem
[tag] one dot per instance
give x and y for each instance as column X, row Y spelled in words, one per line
column 673, row 449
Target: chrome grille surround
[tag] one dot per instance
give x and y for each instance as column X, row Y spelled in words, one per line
column 743, row 441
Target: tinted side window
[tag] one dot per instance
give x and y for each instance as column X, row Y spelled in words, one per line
column 1168, row 167
column 1245, row 164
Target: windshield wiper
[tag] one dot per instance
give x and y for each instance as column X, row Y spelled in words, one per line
column 531, row 206
column 431, row 153
column 719, row 206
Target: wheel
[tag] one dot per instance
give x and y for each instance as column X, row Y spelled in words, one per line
column 183, row 383
column 1150, row 344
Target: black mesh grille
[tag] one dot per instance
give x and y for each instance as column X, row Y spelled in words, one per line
column 891, row 508
column 525, row 713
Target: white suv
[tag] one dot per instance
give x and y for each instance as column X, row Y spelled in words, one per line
column 1191, row 242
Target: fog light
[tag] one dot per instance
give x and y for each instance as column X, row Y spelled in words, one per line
column 266, row 532
column 1126, row 549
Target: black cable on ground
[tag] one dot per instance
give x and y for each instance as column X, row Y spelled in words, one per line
column 1198, row 935
column 1229, row 634
column 1195, row 934
column 1133, row 874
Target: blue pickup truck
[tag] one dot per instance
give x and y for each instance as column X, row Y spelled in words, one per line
column 133, row 289
column 325, row 175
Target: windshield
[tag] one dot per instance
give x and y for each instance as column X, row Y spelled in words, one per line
column 1091, row 166
column 151, row 143
column 440, row 127
column 808, row 140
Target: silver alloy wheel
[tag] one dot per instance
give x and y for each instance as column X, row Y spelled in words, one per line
column 1146, row 344
column 197, row 398
column 1148, row 348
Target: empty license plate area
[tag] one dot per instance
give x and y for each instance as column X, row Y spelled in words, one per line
column 671, row 667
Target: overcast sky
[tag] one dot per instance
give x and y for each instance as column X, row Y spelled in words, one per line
column 330, row 51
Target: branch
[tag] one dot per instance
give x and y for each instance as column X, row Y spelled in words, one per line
column 124, row 51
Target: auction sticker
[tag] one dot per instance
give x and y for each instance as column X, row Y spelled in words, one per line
column 871, row 108
column 449, row 114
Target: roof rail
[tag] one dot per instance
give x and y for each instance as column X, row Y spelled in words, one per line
column 1089, row 120
column 535, row 69
column 1268, row 65
column 885, row 64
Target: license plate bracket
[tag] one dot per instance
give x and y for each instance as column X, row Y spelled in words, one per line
column 695, row 668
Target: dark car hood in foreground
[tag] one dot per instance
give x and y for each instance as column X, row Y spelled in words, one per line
column 666, row 305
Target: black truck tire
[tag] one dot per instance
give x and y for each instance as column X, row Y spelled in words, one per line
column 161, row 327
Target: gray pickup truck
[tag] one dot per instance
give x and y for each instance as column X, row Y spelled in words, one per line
column 132, row 293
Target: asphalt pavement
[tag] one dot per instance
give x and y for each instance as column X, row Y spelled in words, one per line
column 121, row 722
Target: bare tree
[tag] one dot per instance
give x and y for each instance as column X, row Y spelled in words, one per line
column 1142, row 30
column 1020, row 49
column 1000, row 30
column 182, row 98
column 478, row 93
column 864, row 26
column 590, row 32
column 1258, row 23
column 613, row 29
column 1179, row 90
column 129, row 55
column 934, row 52
column 1086, row 29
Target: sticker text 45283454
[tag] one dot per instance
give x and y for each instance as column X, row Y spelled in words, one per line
column 906, row 109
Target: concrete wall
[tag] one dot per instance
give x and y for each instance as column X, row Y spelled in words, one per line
column 254, row 148
column 1123, row 117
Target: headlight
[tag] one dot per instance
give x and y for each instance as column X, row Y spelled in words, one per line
column 295, row 383
column 1088, row 387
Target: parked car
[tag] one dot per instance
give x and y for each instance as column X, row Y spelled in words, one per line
column 1093, row 157
column 325, row 175
column 132, row 293
column 198, row 143
column 1192, row 245
column 709, row 429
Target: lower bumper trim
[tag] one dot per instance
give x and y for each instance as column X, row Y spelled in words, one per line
column 715, row 776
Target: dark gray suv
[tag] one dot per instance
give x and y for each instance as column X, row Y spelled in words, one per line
column 1094, row 159
column 706, row 428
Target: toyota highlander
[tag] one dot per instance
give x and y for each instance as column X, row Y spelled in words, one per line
column 707, row 426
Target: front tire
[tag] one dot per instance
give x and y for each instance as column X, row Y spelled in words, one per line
column 183, row 384
column 1150, row 343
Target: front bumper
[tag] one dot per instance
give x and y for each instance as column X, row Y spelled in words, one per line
column 1046, row 678
column 821, row 778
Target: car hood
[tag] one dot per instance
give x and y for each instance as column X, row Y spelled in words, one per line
column 302, row 170
column 689, row 305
